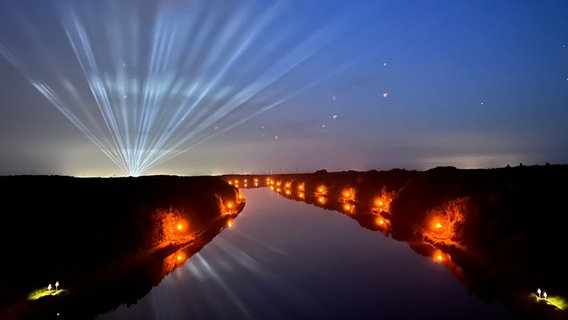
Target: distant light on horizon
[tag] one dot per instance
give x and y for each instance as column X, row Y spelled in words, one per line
column 136, row 106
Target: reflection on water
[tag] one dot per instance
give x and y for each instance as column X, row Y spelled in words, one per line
column 483, row 225
column 287, row 260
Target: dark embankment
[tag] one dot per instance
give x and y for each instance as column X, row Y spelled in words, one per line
column 500, row 231
column 107, row 241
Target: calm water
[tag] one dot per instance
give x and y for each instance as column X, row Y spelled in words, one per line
column 285, row 259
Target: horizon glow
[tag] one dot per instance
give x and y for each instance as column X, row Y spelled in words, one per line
column 147, row 85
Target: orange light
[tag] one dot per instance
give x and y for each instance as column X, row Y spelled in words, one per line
column 438, row 225
column 301, row 195
column 230, row 223
column 381, row 222
column 438, row 256
column 180, row 226
column 174, row 260
column 347, row 194
column 229, row 205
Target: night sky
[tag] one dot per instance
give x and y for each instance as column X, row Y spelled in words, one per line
column 113, row 88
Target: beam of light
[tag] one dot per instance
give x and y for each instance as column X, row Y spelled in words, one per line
column 146, row 81
column 214, row 275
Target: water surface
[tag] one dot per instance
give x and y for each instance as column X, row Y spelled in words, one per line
column 286, row 259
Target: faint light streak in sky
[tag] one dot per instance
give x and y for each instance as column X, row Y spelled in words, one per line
column 146, row 84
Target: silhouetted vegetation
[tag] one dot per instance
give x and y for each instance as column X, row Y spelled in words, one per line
column 103, row 239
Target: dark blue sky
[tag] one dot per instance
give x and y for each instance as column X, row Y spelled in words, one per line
column 198, row 87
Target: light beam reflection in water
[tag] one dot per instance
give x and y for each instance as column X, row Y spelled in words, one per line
column 284, row 259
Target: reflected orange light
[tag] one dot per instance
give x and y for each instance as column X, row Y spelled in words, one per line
column 382, row 222
column 301, row 195
column 174, row 260
column 230, row 223
column 321, row 200
column 180, row 256
column 438, row 256
column 301, row 187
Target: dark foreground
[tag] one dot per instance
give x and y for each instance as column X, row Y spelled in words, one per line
column 101, row 242
column 107, row 241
